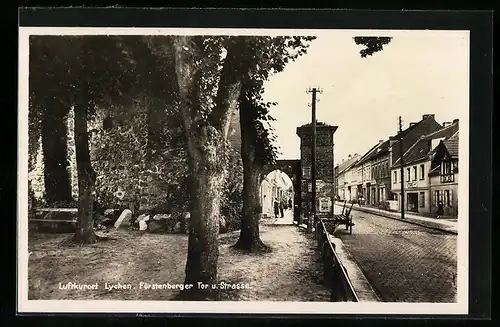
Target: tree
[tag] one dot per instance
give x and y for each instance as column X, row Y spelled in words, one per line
column 210, row 73
column 257, row 147
column 47, row 117
column 85, row 71
column 372, row 44
column 197, row 61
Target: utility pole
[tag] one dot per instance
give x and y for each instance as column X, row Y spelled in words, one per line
column 313, row 91
column 402, row 168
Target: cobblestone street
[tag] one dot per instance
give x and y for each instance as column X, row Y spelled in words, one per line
column 403, row 262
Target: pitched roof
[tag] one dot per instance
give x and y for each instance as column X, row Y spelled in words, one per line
column 444, row 132
column 452, row 145
column 381, row 147
column 405, row 132
column 413, row 133
column 347, row 164
column 420, row 149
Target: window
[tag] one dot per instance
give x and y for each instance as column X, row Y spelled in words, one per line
column 447, row 198
column 415, row 173
column 421, row 172
column 407, row 174
column 395, row 197
column 436, row 198
column 422, row 199
column 395, row 177
column 446, row 168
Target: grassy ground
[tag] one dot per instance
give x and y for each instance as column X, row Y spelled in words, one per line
column 291, row 272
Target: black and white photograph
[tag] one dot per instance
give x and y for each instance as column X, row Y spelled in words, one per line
column 243, row 170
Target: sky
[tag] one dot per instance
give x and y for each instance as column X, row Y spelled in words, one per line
column 281, row 178
column 417, row 73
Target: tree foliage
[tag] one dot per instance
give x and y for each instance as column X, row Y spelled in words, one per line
column 372, row 44
column 275, row 53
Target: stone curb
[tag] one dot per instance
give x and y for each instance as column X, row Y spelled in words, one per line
column 409, row 220
column 359, row 282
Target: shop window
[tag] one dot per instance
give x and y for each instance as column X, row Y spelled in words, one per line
column 422, row 199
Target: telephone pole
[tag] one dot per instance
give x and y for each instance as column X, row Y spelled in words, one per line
column 313, row 91
column 402, row 168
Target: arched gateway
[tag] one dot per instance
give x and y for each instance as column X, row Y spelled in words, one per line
column 299, row 170
column 293, row 170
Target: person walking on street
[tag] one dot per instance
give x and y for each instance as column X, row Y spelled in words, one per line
column 276, row 210
column 440, row 211
column 282, row 209
column 290, row 203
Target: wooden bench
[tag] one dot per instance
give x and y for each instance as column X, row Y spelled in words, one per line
column 56, row 223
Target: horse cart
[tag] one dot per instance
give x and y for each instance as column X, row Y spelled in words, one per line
column 343, row 218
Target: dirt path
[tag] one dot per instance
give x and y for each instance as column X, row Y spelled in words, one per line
column 291, row 272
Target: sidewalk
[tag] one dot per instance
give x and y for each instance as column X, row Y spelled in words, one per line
column 439, row 224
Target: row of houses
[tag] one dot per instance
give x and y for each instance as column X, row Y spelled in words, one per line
column 430, row 170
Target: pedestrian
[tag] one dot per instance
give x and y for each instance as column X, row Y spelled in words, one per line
column 282, row 209
column 276, row 209
column 290, row 203
column 440, row 211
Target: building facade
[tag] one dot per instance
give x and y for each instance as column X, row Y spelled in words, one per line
column 444, row 177
column 419, row 172
column 345, row 178
column 373, row 167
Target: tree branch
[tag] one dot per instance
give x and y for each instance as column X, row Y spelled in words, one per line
column 185, row 72
column 226, row 100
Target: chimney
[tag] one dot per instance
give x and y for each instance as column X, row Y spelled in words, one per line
column 455, row 121
column 380, row 141
column 413, row 123
column 428, row 116
column 343, row 160
column 447, row 123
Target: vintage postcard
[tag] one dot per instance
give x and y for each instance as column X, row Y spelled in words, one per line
column 177, row 170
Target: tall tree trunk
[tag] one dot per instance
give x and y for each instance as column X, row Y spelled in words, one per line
column 54, row 142
column 203, row 248
column 249, row 234
column 207, row 159
column 86, row 179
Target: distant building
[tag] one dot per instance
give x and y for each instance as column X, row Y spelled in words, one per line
column 344, row 178
column 374, row 171
column 420, row 165
column 274, row 187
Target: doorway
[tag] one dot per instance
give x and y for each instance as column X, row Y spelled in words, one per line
column 412, row 202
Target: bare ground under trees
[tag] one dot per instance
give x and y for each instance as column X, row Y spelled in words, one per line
column 290, row 272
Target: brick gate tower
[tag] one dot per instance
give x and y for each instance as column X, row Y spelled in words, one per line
column 324, row 167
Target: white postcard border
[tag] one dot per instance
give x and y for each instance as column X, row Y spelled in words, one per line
column 101, row 306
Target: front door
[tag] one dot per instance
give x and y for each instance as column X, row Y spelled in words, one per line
column 412, row 202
